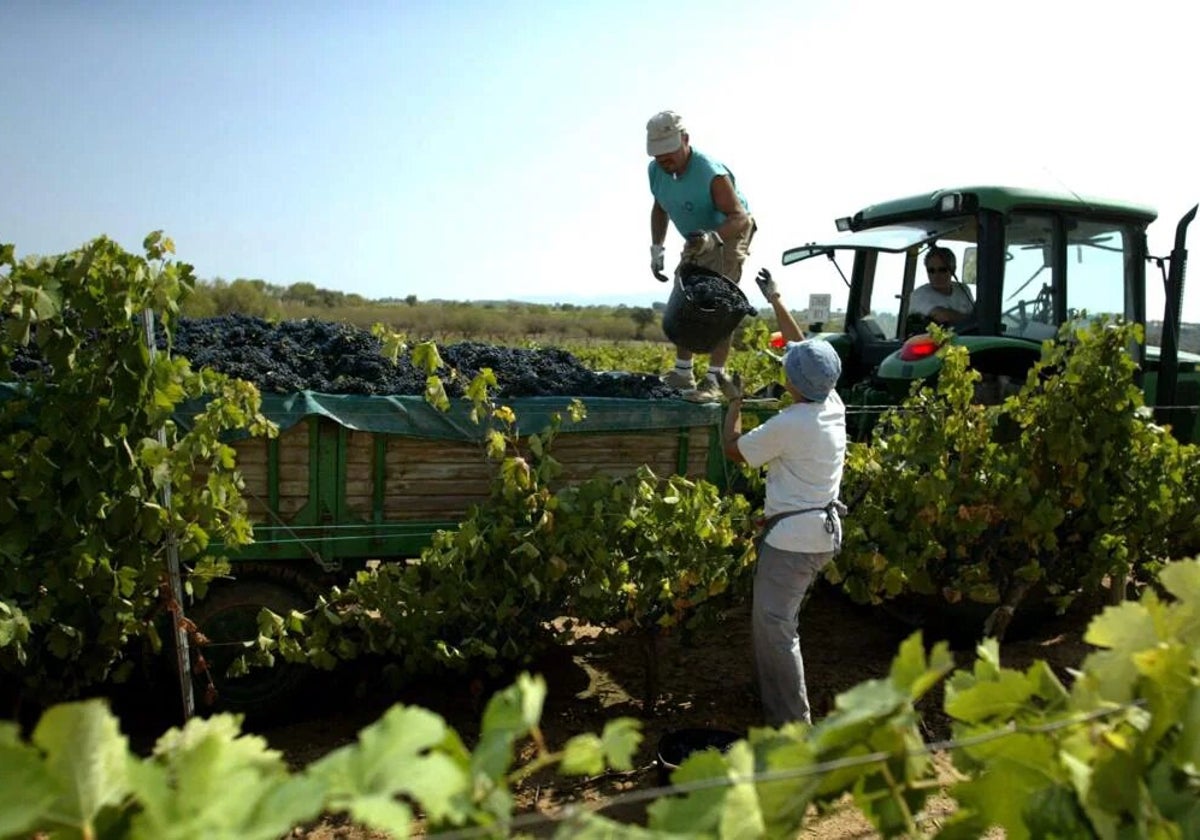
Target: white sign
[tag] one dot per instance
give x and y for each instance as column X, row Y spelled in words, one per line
column 818, row 308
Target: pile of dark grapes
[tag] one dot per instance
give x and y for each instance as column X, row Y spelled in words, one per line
column 290, row 356
column 314, row 355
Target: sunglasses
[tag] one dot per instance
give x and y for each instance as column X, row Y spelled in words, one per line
column 933, row 270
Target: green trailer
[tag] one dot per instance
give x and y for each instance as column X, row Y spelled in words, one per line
column 354, row 478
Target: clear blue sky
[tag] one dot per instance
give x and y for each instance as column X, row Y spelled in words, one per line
column 472, row 150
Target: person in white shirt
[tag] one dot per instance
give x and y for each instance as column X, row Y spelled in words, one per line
column 803, row 448
column 943, row 299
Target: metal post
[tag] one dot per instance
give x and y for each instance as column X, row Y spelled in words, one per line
column 1166, row 389
column 182, row 652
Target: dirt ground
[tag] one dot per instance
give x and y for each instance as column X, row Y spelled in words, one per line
column 705, row 681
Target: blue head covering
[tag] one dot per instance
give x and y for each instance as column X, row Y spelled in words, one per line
column 813, row 367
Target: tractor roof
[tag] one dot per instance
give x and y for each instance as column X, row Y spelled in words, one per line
column 999, row 199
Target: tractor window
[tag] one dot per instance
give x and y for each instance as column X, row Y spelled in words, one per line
column 887, row 290
column 809, row 283
column 962, row 276
column 1028, row 305
column 1098, row 275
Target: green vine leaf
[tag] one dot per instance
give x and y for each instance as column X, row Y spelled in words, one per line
column 86, row 755
column 408, row 752
column 207, row 779
column 620, row 740
column 700, row 811
column 28, row 790
column 426, row 357
column 583, row 755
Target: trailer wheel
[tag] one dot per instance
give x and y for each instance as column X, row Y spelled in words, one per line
column 229, row 615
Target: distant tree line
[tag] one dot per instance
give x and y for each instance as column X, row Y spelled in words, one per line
column 440, row 319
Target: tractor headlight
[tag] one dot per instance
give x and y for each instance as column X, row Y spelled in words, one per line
column 950, row 203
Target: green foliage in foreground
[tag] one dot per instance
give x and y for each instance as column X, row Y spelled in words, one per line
column 1116, row 755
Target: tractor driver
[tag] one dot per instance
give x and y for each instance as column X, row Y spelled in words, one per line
column 944, row 298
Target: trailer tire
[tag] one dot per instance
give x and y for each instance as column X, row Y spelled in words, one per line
column 229, row 614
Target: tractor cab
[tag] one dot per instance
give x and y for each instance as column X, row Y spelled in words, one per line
column 1002, row 268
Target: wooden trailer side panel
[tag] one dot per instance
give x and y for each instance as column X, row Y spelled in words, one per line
column 323, row 493
column 442, row 479
column 294, row 478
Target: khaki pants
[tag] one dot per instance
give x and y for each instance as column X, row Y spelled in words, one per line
column 728, row 259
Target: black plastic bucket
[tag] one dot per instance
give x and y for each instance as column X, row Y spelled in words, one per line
column 704, row 308
column 675, row 746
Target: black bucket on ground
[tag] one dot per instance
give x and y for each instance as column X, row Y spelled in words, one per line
column 676, row 745
column 704, row 308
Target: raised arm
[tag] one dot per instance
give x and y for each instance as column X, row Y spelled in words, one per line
column 787, row 323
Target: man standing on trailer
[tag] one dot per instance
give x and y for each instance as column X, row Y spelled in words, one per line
column 700, row 197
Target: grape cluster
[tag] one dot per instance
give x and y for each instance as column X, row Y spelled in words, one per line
column 715, row 293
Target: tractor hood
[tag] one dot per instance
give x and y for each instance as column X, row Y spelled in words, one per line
column 918, row 358
column 892, row 238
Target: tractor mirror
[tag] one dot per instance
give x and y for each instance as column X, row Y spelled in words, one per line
column 969, row 265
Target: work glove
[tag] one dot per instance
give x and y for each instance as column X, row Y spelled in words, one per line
column 766, row 285
column 657, row 262
column 701, row 242
column 731, row 387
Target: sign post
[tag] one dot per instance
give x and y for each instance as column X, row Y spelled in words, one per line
column 818, row 308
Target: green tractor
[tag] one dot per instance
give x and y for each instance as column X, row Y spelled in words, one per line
column 1028, row 262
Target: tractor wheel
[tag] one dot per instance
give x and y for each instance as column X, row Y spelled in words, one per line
column 229, row 615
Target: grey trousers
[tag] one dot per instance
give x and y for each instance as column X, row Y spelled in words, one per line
column 781, row 580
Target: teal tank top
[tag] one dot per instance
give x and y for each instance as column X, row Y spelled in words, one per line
column 688, row 199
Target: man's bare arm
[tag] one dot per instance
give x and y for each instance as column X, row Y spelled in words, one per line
column 726, row 200
column 946, row 315
column 732, row 430
column 787, row 322
column 788, row 327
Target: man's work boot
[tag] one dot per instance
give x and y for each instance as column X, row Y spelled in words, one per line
column 709, row 390
column 679, row 380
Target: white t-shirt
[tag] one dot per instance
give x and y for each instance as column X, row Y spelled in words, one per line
column 925, row 299
column 804, row 447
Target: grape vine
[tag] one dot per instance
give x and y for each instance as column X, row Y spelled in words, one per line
column 1060, row 487
column 82, row 465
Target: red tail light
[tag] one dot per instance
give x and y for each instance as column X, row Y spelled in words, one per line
column 918, row 347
